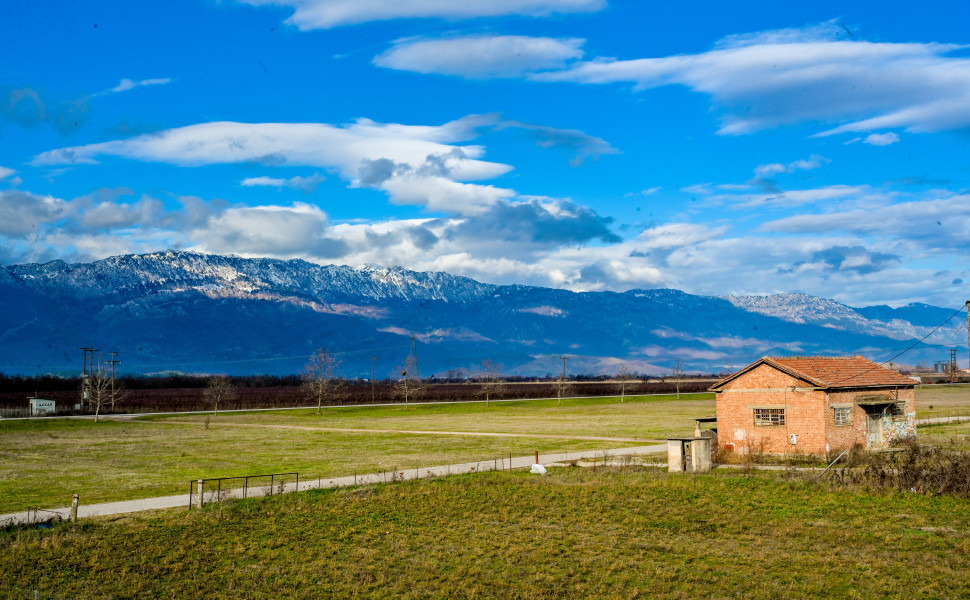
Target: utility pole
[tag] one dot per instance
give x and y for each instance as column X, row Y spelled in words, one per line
column 85, row 374
column 113, row 363
column 414, row 370
column 372, row 371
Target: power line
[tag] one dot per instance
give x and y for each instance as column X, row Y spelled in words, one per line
column 917, row 343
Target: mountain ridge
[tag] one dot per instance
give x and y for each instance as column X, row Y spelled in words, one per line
column 198, row 312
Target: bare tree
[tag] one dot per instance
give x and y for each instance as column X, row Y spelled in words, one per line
column 218, row 389
column 320, row 380
column 562, row 387
column 623, row 376
column 99, row 388
column 408, row 386
column 488, row 377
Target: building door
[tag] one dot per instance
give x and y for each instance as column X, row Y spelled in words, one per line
column 874, row 426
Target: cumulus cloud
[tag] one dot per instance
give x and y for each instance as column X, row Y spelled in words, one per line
column 772, row 78
column 538, row 221
column 854, row 259
column 285, row 231
column 481, row 56
column 23, row 214
column 881, row 139
column 324, row 14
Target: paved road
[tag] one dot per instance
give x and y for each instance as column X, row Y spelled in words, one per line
column 940, row 420
column 182, row 500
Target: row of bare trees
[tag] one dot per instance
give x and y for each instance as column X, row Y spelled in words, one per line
column 322, row 381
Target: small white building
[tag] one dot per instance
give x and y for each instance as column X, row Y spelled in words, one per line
column 41, row 406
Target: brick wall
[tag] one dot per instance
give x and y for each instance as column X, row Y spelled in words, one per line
column 809, row 415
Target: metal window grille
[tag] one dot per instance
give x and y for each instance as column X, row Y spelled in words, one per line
column 895, row 413
column 843, row 415
column 767, row 417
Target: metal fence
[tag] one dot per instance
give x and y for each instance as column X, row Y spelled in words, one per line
column 215, row 489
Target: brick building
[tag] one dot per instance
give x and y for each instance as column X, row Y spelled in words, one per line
column 814, row 405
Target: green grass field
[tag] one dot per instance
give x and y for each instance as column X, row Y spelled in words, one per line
column 639, row 417
column 43, row 462
column 576, row 533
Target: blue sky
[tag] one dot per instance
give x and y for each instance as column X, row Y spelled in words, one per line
column 718, row 148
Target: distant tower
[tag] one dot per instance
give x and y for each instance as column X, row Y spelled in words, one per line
column 414, row 372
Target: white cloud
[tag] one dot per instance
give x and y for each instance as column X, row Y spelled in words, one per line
column 23, row 214
column 400, row 159
column 881, row 139
column 773, row 78
column 128, row 84
column 324, row 14
column 5, row 172
column 481, row 56
column 306, row 184
column 283, row 231
column 419, row 165
column 813, row 162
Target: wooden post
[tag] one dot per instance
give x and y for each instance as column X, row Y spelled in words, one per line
column 198, row 489
column 74, row 502
column 537, row 457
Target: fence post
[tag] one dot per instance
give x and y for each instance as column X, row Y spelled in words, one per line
column 74, row 502
column 198, row 485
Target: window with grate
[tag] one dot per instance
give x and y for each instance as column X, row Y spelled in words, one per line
column 895, row 412
column 843, row 415
column 767, row 417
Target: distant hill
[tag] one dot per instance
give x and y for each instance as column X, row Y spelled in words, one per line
column 203, row 313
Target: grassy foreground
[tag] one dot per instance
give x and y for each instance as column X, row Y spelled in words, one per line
column 576, row 533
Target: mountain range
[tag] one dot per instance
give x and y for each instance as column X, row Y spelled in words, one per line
column 203, row 313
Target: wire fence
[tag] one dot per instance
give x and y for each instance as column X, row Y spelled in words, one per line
column 216, row 489
column 205, row 491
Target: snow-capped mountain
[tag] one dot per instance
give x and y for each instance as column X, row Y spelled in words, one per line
column 907, row 322
column 190, row 312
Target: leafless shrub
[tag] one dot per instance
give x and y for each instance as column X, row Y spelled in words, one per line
column 917, row 469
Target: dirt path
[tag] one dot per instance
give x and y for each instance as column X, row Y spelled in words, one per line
column 548, row 436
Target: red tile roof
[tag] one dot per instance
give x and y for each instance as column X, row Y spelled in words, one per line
column 831, row 371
